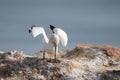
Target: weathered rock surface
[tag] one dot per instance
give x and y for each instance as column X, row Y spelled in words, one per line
column 84, row 62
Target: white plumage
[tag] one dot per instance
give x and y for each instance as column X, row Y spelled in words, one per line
column 51, row 43
column 62, row 36
column 37, row 30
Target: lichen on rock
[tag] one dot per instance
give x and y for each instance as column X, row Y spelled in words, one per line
column 84, row 62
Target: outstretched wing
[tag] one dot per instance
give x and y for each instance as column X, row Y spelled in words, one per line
column 62, row 35
column 37, row 30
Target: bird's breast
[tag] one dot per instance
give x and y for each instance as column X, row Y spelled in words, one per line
column 54, row 39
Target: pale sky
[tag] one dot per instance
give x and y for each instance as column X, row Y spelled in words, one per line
column 85, row 21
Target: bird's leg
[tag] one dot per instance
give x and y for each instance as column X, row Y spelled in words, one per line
column 43, row 55
column 56, row 49
column 55, row 53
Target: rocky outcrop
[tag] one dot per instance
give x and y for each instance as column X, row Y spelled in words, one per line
column 84, row 62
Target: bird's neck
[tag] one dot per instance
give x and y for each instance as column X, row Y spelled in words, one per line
column 46, row 40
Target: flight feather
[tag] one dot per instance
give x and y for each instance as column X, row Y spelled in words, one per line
column 37, row 31
column 62, row 35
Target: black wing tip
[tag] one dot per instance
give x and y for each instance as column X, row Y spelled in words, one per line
column 29, row 31
column 33, row 26
column 52, row 27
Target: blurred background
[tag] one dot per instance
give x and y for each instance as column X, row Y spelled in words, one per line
column 85, row 21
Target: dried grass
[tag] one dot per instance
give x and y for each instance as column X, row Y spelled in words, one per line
column 86, row 61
